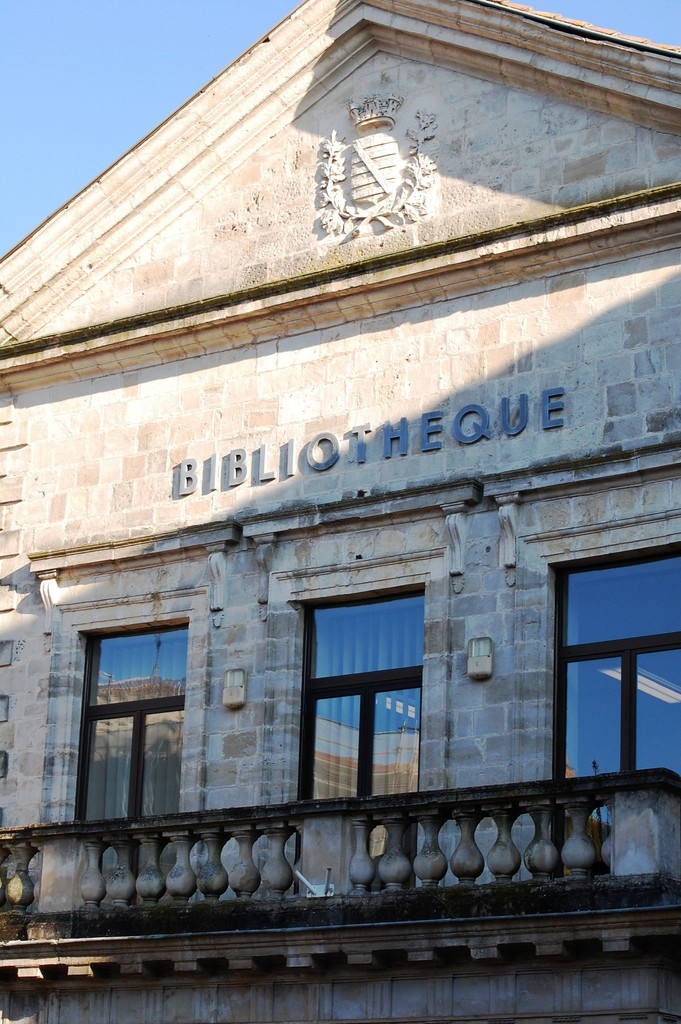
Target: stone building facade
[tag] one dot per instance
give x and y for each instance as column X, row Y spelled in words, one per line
column 340, row 653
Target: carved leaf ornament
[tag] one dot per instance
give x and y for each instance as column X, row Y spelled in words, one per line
column 381, row 191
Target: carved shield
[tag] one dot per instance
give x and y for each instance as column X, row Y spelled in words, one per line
column 374, row 168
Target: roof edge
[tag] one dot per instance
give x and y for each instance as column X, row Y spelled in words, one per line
column 583, row 28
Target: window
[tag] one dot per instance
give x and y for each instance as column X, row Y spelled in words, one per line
column 619, row 668
column 362, row 708
column 132, row 725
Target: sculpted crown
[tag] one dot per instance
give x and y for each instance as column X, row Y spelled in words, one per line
column 375, row 112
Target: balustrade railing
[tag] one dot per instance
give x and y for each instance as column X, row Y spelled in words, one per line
column 624, row 824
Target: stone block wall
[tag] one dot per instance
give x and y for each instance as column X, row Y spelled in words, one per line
column 98, row 461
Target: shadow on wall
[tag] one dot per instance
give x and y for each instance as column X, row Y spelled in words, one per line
column 367, row 408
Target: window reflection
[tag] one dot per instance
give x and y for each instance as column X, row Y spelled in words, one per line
column 363, row 698
column 349, row 639
column 336, row 747
column 397, row 720
column 133, row 725
column 139, row 666
column 621, row 601
column 161, row 762
column 109, row 775
column 658, row 710
column 593, row 717
column 620, row 667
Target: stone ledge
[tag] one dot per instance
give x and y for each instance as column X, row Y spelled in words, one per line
column 419, row 935
column 155, row 547
column 395, row 279
column 503, row 912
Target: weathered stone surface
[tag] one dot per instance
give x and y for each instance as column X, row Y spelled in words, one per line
column 234, row 397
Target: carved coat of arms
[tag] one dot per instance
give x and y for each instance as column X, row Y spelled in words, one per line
column 382, row 190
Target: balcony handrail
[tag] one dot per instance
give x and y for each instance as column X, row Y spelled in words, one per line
column 626, row 824
column 600, row 788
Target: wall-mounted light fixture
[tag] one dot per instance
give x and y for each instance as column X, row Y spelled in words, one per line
column 480, row 650
column 234, row 692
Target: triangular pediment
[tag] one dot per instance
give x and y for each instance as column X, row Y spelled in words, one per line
column 491, row 117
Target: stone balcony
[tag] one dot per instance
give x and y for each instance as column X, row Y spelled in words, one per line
column 498, row 856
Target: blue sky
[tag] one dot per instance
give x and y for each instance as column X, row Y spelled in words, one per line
column 83, row 80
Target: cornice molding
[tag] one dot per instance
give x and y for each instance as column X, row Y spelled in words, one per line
column 522, row 47
column 132, row 552
column 605, row 231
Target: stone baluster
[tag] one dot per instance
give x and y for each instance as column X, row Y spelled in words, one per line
column 4, row 854
column 151, row 883
column 181, row 880
column 277, row 873
column 120, row 883
column 394, row 867
column 430, row 863
column 362, row 868
column 467, row 862
column 20, row 890
column 541, row 856
column 244, row 876
column 578, row 853
column 503, row 859
column 212, row 878
column 606, row 848
column 92, row 884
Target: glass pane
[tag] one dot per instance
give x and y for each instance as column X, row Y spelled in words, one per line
column 592, row 741
column 336, row 746
column 140, row 666
column 658, row 710
column 162, row 760
column 624, row 601
column 397, row 719
column 109, row 770
column 367, row 637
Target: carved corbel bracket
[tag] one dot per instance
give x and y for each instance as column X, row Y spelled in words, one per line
column 264, row 548
column 508, row 543
column 456, row 519
column 457, row 524
column 49, row 595
column 217, row 595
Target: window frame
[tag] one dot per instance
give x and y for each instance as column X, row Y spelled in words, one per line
column 364, row 684
column 138, row 710
column 627, row 649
